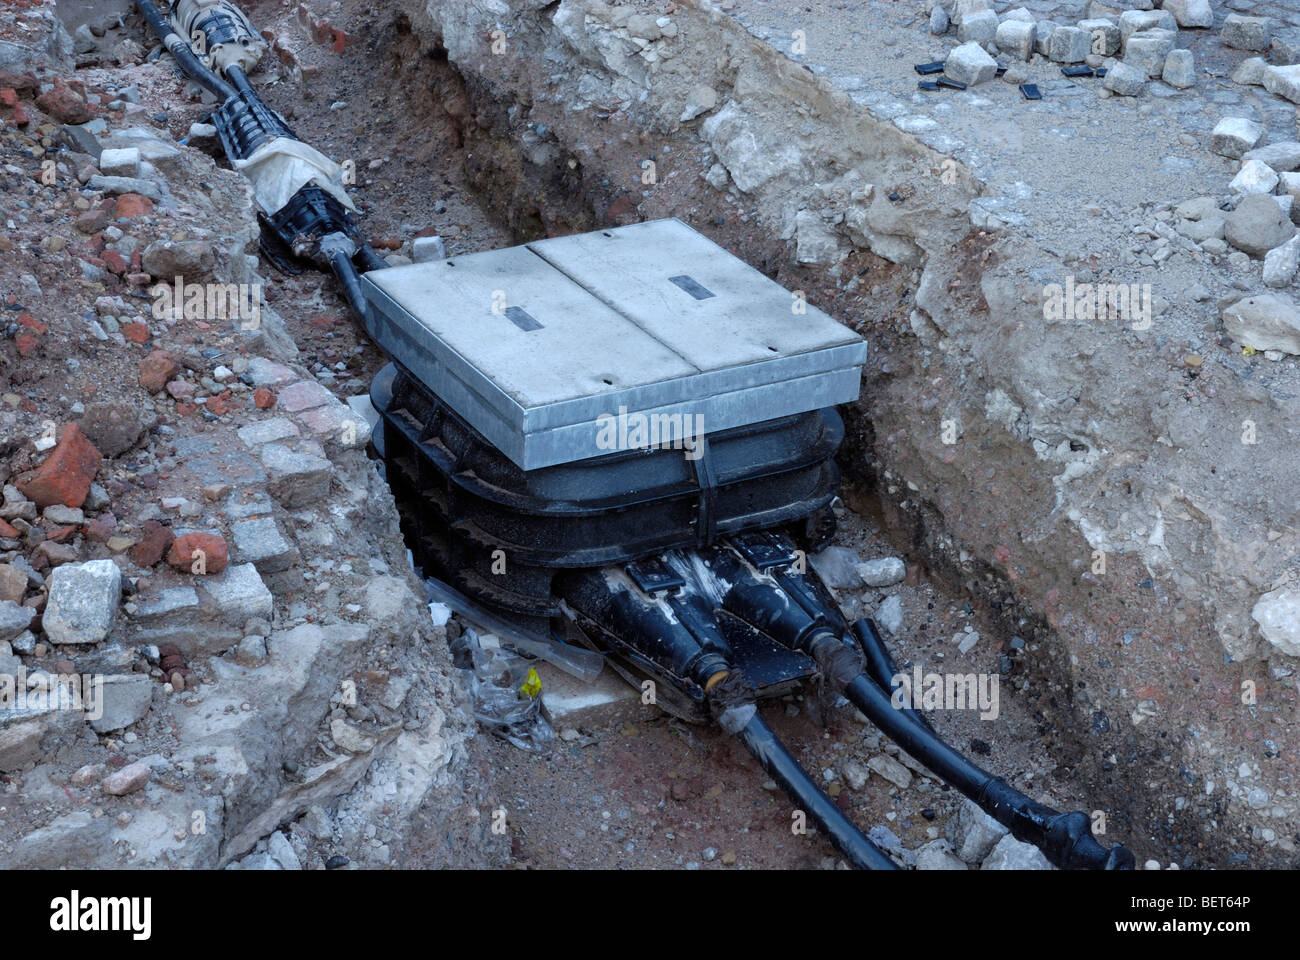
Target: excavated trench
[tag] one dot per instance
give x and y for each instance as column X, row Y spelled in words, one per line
column 545, row 150
column 526, row 177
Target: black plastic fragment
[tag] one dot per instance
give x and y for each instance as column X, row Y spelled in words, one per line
column 1078, row 71
column 927, row 85
column 1031, row 91
column 951, row 84
column 935, row 66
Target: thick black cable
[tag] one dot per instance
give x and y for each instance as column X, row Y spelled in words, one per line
column 1065, row 838
column 782, row 767
column 350, row 280
column 880, row 665
column 179, row 48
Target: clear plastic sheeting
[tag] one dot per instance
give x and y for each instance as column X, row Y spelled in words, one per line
column 496, row 680
column 282, row 167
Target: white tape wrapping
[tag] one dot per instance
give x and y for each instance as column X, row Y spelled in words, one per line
column 280, row 168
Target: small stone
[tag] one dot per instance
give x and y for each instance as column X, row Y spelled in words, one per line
column 939, row 22
column 295, row 479
column 1069, row 45
column 1283, row 81
column 882, row 573
column 1250, row 72
column 1190, row 13
column 938, row 855
column 1278, row 615
column 125, row 700
column 973, row 833
column 891, row 770
column 198, row 553
column 259, row 541
column 428, row 249
column 1258, row 225
column 979, row 27
column 83, row 602
column 124, row 162
column 890, row 615
column 1013, row 854
column 14, row 620
column 1139, row 21
column 1147, row 52
column 1016, row 38
column 1269, row 321
column 127, row 780
column 1124, row 80
column 66, row 475
column 1233, row 136
column 1104, row 37
column 1180, row 69
column 1254, row 177
column 970, row 64
column 1245, row 33
column 1281, row 264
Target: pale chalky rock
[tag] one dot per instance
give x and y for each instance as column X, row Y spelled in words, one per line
column 1012, row 854
column 1266, row 321
column 882, row 573
column 1233, row 136
column 973, row 833
column 961, row 9
column 124, row 162
column 970, row 64
column 127, row 780
column 1278, row 615
column 1281, row 264
column 1043, row 36
column 83, row 603
column 1254, row 177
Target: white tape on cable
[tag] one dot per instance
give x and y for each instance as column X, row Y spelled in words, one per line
column 280, row 168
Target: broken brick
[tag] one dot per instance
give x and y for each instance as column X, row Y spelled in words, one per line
column 199, row 553
column 67, row 473
column 135, row 332
column 157, row 541
column 133, row 205
column 64, row 104
column 158, row 368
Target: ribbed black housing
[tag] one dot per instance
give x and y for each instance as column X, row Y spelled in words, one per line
column 244, row 123
column 476, row 510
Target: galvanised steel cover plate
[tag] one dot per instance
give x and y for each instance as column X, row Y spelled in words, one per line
column 552, row 348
